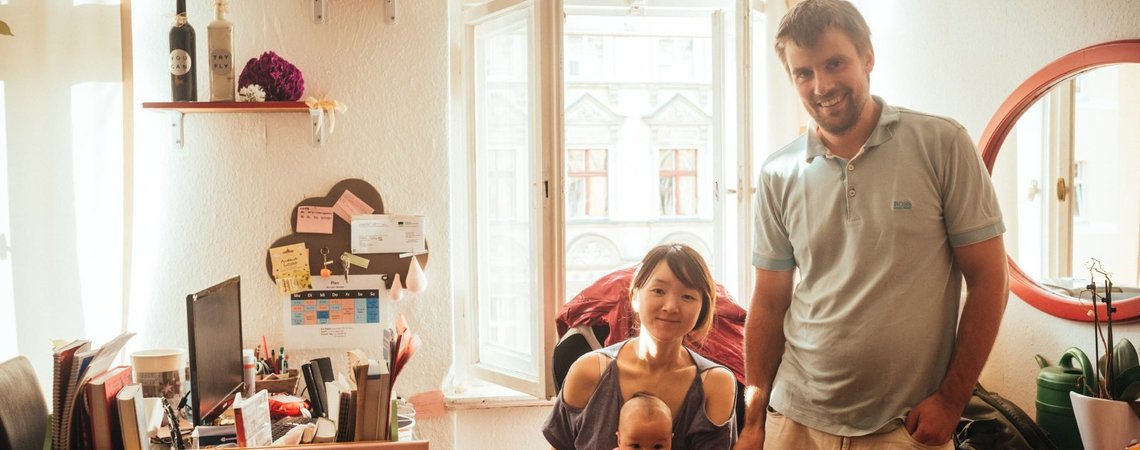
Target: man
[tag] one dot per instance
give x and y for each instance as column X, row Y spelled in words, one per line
column 883, row 211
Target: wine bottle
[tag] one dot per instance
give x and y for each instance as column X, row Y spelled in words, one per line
column 183, row 73
column 220, row 34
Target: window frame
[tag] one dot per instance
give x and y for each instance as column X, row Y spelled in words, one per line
column 547, row 53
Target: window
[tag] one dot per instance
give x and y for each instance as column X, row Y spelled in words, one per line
column 586, row 183
column 678, row 182
column 651, row 92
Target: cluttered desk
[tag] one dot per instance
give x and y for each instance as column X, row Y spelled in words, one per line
column 248, row 397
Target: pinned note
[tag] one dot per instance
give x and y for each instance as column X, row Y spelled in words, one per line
column 350, row 205
column 315, row 219
column 290, row 265
column 358, row 261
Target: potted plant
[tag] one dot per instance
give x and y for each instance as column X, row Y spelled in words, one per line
column 1111, row 418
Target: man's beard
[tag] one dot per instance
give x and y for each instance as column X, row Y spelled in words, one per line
column 846, row 120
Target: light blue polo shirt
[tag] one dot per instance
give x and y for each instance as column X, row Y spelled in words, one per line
column 871, row 325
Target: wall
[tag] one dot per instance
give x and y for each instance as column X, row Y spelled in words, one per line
column 211, row 209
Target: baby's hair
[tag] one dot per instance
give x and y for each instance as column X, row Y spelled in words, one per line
column 646, row 405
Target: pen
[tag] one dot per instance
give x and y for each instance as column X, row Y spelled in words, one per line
column 273, row 361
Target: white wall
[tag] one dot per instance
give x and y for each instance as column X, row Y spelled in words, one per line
column 212, row 209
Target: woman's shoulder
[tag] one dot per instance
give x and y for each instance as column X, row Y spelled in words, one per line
column 583, row 377
column 719, row 387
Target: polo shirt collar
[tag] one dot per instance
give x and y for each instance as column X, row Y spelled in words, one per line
column 880, row 134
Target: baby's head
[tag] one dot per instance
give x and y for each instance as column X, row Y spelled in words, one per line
column 645, row 423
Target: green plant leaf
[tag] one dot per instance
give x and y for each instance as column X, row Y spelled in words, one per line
column 4, row 29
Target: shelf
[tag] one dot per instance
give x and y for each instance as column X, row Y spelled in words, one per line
column 178, row 111
column 228, row 107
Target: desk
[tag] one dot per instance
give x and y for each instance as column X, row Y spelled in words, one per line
column 373, row 445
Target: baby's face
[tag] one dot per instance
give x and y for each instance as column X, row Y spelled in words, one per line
column 652, row 434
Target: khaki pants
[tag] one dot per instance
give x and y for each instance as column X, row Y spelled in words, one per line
column 781, row 433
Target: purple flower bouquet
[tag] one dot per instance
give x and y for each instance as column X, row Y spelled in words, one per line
column 280, row 80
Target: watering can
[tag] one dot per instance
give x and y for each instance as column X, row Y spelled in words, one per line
column 1054, row 408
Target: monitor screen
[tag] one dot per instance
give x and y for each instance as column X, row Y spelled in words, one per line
column 214, row 329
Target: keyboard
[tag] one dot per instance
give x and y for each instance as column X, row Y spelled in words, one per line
column 283, row 425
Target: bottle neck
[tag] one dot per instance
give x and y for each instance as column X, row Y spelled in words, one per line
column 180, row 7
column 220, row 10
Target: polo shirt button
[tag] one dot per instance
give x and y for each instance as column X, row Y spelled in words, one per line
column 850, row 166
column 851, row 193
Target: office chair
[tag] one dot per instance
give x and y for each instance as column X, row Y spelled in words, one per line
column 23, row 413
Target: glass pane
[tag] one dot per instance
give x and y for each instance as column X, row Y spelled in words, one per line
column 653, row 94
column 576, row 161
column 598, row 161
column 598, row 196
column 503, row 198
column 575, row 197
column 687, row 195
column 686, row 160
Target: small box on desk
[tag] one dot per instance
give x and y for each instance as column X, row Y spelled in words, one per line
column 278, row 383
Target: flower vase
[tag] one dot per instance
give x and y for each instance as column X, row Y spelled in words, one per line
column 1105, row 424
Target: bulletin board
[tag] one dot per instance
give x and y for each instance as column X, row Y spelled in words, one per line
column 339, row 241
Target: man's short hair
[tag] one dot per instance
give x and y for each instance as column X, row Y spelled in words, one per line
column 806, row 21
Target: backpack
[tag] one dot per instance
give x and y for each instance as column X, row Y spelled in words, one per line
column 990, row 422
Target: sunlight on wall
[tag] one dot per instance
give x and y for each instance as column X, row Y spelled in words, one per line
column 91, row 2
column 97, row 161
column 8, row 346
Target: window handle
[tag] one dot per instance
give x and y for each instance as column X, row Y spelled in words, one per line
column 1062, row 189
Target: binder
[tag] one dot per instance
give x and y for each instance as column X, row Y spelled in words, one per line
column 132, row 418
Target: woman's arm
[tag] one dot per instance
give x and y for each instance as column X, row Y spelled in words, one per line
column 582, row 379
column 720, row 394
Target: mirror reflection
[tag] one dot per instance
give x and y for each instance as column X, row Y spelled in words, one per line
column 1068, row 178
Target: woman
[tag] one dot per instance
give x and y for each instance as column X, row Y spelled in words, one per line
column 674, row 296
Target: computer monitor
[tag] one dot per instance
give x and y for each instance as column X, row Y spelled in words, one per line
column 214, row 328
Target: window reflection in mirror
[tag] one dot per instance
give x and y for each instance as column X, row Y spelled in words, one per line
column 1074, row 157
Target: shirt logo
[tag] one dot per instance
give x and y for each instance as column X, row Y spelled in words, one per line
column 901, row 205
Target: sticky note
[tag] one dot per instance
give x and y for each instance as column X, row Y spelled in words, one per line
column 289, row 258
column 315, row 219
column 350, row 205
column 355, row 260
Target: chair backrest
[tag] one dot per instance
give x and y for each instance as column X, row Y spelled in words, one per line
column 23, row 412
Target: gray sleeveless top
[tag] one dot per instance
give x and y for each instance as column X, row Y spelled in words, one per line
column 594, row 426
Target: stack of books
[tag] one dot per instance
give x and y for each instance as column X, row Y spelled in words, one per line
column 84, row 394
column 366, row 407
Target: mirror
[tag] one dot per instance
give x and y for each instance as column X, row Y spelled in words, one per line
column 1069, row 162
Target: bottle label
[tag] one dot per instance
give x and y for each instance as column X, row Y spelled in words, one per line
column 220, row 61
column 179, row 62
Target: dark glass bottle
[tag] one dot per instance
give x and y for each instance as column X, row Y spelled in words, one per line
column 183, row 70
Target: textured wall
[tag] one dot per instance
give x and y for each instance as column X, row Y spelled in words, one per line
column 211, row 209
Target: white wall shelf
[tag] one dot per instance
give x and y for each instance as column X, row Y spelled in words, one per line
column 178, row 111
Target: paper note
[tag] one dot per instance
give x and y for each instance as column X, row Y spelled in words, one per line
column 294, row 281
column 387, row 233
column 289, row 258
column 315, row 219
column 350, row 205
column 355, row 260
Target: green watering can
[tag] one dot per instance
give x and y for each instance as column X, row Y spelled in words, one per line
column 1054, row 408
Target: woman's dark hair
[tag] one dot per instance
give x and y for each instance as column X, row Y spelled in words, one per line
column 690, row 269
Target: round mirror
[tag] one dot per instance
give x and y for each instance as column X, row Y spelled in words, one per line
column 1069, row 180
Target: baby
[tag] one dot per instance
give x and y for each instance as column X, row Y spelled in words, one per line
column 645, row 423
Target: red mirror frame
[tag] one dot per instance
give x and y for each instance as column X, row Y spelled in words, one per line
column 1125, row 51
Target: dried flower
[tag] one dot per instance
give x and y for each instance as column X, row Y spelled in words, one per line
column 280, row 80
column 251, row 93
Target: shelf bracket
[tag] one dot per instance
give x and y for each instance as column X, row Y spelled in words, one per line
column 318, row 126
column 176, row 119
column 320, row 11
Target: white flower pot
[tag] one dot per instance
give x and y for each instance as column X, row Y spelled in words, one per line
column 1105, row 424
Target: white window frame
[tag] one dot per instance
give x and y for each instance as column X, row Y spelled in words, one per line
column 548, row 152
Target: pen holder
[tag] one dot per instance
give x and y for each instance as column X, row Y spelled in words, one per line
column 278, row 383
